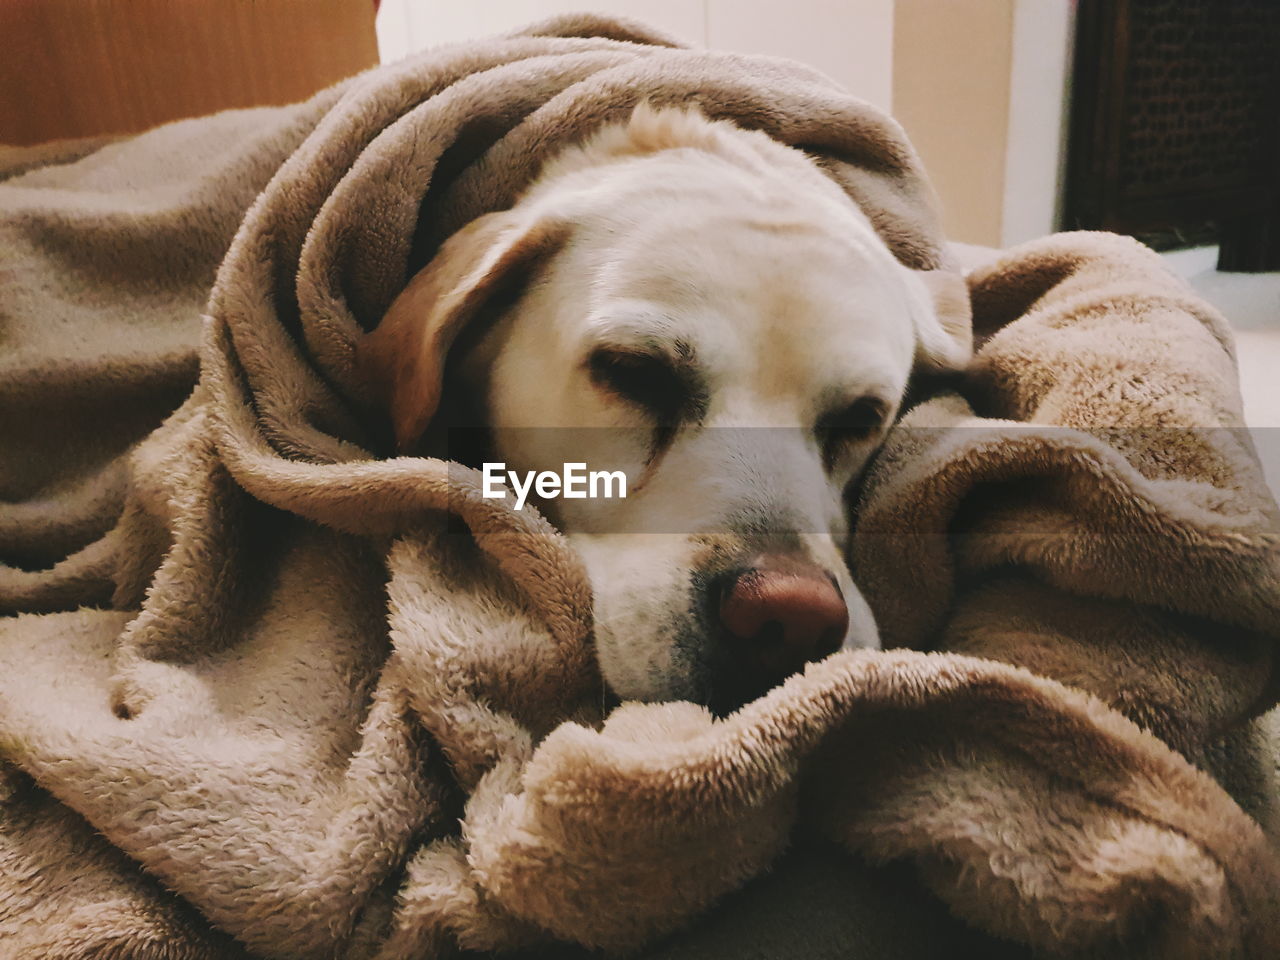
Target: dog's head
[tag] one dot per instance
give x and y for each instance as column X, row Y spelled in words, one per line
column 702, row 309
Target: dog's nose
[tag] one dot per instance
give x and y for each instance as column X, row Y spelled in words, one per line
column 776, row 616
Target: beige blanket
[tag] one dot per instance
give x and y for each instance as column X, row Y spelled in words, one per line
column 260, row 695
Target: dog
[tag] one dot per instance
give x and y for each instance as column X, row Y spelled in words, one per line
column 697, row 305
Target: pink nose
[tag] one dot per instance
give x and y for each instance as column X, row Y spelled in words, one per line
column 779, row 615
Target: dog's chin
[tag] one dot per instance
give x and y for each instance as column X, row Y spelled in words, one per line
column 684, row 654
column 713, row 680
column 658, row 618
column 651, row 665
column 658, row 647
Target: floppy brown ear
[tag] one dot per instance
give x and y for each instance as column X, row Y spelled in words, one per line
column 944, row 330
column 403, row 359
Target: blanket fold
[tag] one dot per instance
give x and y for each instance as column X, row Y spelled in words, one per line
column 266, row 694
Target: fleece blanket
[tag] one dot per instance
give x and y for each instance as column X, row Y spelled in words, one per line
column 266, row 691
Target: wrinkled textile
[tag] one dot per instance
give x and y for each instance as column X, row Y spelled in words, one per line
column 267, row 693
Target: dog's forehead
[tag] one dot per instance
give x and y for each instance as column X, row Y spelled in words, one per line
column 771, row 288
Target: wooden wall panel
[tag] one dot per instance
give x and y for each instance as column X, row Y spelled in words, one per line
column 73, row 68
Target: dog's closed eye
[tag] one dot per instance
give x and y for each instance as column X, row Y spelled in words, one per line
column 648, row 380
column 840, row 429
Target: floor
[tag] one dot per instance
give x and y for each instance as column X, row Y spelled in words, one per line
column 1251, row 301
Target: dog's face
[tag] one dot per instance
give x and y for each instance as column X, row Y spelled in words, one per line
column 735, row 339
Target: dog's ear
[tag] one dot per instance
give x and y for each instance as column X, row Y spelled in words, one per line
column 403, row 359
column 944, row 324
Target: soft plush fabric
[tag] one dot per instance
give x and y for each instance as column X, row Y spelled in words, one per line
column 265, row 693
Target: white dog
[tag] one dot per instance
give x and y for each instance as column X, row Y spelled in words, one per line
column 702, row 308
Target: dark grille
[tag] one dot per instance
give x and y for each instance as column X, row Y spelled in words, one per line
column 1175, row 128
column 1193, row 79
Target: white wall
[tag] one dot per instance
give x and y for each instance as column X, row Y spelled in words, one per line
column 1039, row 86
column 981, row 85
column 405, row 26
column 850, row 40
